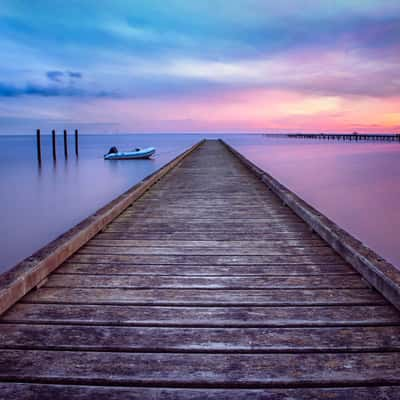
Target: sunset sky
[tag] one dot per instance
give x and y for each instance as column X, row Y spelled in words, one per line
column 200, row 66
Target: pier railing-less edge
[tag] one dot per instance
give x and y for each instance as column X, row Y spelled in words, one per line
column 32, row 271
column 379, row 273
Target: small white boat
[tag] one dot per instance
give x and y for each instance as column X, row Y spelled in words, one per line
column 114, row 154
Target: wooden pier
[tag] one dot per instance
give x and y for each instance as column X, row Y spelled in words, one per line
column 347, row 136
column 206, row 281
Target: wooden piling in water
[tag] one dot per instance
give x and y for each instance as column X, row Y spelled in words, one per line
column 65, row 144
column 54, row 144
column 76, row 143
column 38, row 146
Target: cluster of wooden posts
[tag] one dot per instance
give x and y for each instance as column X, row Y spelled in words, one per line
column 54, row 146
column 346, row 136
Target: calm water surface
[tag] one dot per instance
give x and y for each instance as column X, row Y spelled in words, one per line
column 355, row 184
column 37, row 205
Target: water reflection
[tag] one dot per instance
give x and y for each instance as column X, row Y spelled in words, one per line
column 354, row 184
column 39, row 203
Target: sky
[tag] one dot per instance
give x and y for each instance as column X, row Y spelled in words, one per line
column 108, row 66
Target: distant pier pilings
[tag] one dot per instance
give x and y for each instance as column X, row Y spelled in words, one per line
column 346, row 136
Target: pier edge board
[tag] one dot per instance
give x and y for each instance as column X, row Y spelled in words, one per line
column 42, row 391
column 380, row 274
column 30, row 272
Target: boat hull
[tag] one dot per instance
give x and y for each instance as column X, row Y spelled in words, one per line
column 131, row 155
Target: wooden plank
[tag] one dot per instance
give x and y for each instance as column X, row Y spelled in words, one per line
column 178, row 316
column 222, row 206
column 208, row 270
column 226, row 184
column 209, row 370
column 142, row 208
column 238, row 186
column 208, row 196
column 199, row 211
column 204, row 340
column 278, row 297
column 206, row 200
column 253, row 188
column 234, row 244
column 203, row 215
column 213, row 199
column 204, row 251
column 27, row 391
column 218, row 236
column 161, row 227
column 226, row 219
column 231, row 186
column 204, row 260
column 205, row 282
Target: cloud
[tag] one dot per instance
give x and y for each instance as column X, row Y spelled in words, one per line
column 331, row 72
column 59, row 84
column 74, row 75
column 328, row 72
column 7, row 90
column 30, row 89
column 55, row 76
column 59, row 76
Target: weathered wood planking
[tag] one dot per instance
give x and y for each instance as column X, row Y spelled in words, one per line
column 234, row 244
column 201, row 370
column 207, row 287
column 205, row 259
column 208, row 270
column 26, row 391
column 261, row 297
column 206, row 236
column 204, row 251
column 206, row 340
column 204, row 282
column 203, row 316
